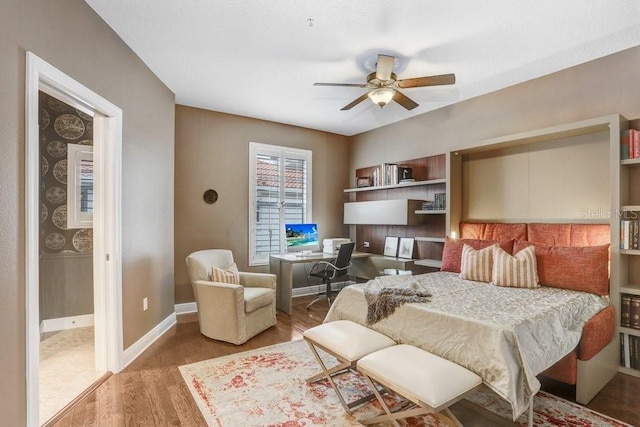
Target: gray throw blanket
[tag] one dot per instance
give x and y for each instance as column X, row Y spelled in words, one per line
column 383, row 301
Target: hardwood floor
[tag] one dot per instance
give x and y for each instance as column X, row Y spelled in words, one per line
column 151, row 391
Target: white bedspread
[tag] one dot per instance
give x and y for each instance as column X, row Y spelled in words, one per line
column 505, row 335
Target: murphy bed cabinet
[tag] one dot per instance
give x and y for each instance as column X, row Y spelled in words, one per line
column 624, row 187
column 427, row 227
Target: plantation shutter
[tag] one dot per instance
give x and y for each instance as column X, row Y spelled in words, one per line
column 279, row 194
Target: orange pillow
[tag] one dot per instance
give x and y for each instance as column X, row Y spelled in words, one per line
column 452, row 252
column 578, row 268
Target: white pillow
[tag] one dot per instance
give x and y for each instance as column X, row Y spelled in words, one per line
column 477, row 265
column 519, row 271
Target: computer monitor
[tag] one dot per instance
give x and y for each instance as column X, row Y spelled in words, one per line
column 302, row 238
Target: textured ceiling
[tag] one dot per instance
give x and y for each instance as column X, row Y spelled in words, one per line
column 259, row 58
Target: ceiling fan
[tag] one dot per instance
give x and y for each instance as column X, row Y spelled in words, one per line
column 383, row 85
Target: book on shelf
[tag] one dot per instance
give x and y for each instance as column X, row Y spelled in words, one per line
column 385, row 174
column 625, row 310
column 630, row 144
column 390, row 173
column 428, row 205
column 635, row 312
column 629, row 351
column 624, row 351
column 624, row 145
column 439, row 203
column 629, row 234
column 634, row 347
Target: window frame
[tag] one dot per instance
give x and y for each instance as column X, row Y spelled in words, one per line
column 76, row 217
column 282, row 152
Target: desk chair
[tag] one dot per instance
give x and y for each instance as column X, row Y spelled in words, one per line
column 328, row 271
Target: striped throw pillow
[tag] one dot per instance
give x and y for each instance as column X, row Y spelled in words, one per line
column 229, row 275
column 516, row 271
column 477, row 265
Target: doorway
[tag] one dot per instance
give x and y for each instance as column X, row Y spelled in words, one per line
column 67, row 344
column 106, row 230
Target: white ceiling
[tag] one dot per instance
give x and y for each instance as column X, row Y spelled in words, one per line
column 260, row 58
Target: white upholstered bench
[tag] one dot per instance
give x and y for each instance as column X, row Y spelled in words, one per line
column 429, row 381
column 348, row 342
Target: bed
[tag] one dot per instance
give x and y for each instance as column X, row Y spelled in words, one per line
column 506, row 335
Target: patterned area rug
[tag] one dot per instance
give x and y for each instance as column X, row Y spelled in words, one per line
column 266, row 387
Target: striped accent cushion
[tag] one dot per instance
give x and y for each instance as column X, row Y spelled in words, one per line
column 516, row 271
column 477, row 264
column 229, row 275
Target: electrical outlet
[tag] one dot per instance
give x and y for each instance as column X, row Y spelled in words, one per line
column 365, row 244
column 145, row 304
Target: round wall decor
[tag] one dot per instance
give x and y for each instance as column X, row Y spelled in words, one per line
column 210, row 196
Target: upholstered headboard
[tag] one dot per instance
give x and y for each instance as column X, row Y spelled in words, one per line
column 546, row 234
column 569, row 256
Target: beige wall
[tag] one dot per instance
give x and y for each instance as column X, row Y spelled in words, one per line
column 598, row 88
column 554, row 180
column 71, row 37
column 212, row 151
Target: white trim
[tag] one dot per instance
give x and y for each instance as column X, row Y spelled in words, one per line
column 136, row 349
column 107, row 228
column 107, row 222
column 63, row 323
column 186, row 308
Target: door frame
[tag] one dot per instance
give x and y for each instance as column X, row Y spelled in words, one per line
column 107, row 222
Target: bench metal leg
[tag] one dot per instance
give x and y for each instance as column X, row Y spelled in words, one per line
column 328, row 374
column 340, row 367
column 413, row 411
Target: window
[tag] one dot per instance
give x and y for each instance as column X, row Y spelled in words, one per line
column 279, row 193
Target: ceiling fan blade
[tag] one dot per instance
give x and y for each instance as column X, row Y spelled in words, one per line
column 342, row 84
column 444, row 79
column 384, row 67
column 405, row 101
column 355, row 102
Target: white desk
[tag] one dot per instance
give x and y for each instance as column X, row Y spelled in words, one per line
column 282, row 266
column 364, row 266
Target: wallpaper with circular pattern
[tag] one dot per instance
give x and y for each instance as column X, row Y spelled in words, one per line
column 60, row 124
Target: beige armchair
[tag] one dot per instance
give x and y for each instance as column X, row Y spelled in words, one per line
column 229, row 312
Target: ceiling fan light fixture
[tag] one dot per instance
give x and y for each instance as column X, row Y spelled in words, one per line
column 382, row 96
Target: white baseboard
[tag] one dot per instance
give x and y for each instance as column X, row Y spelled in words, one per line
column 191, row 307
column 136, row 349
column 62, row 323
column 185, row 308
